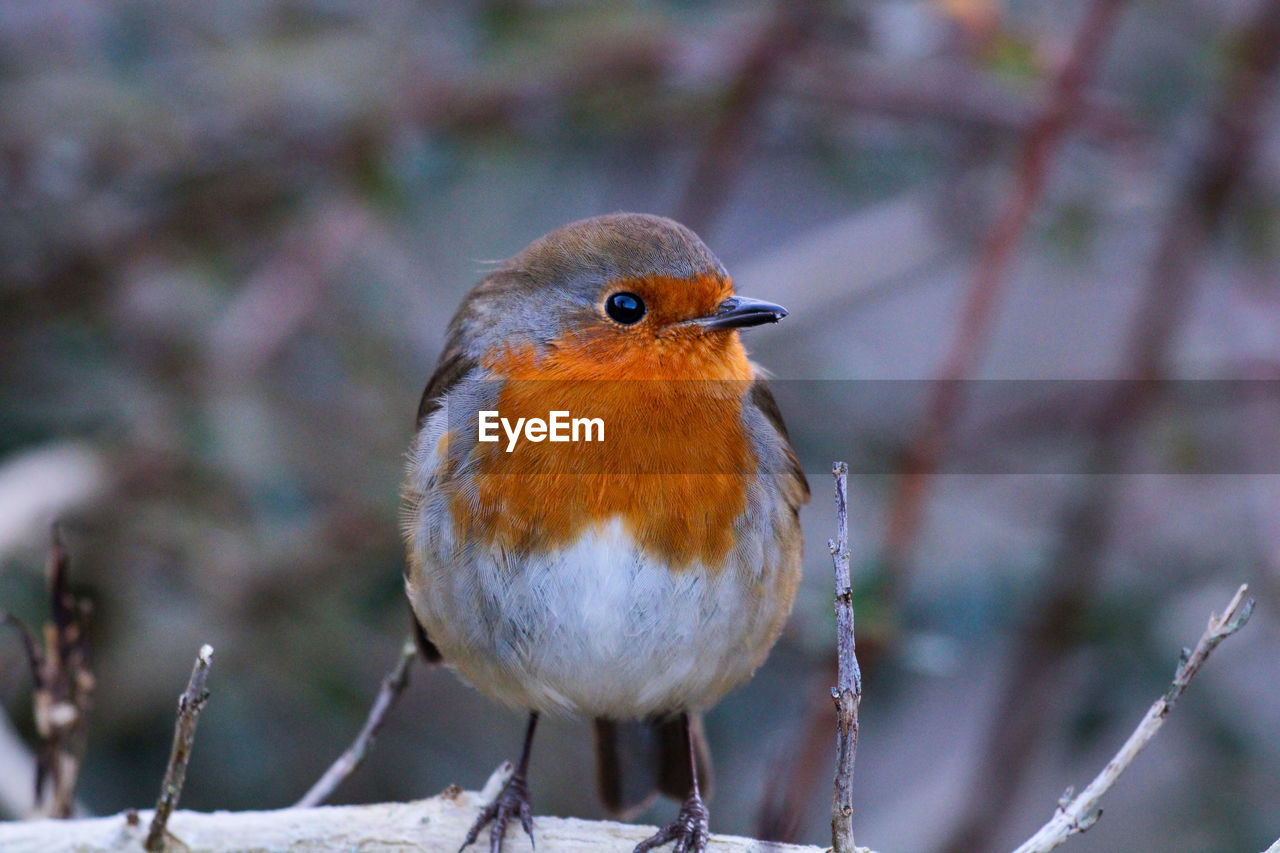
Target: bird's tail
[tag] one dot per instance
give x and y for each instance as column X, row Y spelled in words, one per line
column 637, row 760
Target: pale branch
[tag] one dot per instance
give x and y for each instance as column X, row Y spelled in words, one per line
column 848, row 690
column 1274, row 848
column 1077, row 813
column 190, row 704
column 435, row 825
column 392, row 686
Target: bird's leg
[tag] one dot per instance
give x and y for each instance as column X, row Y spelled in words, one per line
column 689, row 829
column 512, row 802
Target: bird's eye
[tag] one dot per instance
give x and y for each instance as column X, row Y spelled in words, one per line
column 625, row 308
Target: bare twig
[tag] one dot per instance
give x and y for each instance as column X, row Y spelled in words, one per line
column 997, row 252
column 62, row 687
column 392, row 686
column 1076, row 814
column 18, row 796
column 184, row 734
column 848, row 690
column 66, row 686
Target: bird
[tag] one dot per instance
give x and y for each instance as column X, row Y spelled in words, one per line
column 635, row 575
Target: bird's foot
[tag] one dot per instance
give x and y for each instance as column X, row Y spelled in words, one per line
column 513, row 801
column 688, row 830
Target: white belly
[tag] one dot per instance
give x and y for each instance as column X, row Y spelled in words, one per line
column 599, row 630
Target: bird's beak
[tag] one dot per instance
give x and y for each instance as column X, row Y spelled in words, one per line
column 740, row 312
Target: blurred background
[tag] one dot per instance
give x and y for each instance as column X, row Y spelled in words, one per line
column 1030, row 251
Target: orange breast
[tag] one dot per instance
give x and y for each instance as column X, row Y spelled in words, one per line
column 674, row 463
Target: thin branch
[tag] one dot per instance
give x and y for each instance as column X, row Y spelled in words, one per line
column 63, row 688
column 1076, row 814
column 18, row 798
column 190, row 704
column 392, row 686
column 848, row 690
column 944, row 406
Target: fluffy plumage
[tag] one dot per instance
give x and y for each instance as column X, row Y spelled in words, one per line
column 641, row 576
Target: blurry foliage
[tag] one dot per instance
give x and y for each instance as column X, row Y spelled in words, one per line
column 231, row 235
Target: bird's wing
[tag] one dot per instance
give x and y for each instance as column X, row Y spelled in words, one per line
column 762, row 398
column 454, row 364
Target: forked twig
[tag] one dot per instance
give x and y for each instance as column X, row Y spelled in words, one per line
column 848, row 690
column 392, row 686
column 1077, row 813
column 190, row 704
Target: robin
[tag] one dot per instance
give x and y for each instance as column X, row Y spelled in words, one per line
column 630, row 572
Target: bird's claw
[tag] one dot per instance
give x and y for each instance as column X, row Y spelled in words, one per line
column 513, row 801
column 688, row 830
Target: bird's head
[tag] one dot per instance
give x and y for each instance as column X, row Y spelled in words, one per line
column 624, row 296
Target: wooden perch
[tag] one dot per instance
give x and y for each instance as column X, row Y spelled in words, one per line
column 435, row 825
